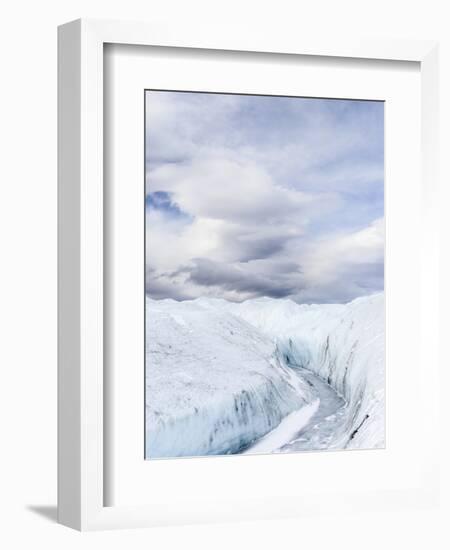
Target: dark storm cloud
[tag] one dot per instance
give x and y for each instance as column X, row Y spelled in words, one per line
column 160, row 288
column 237, row 278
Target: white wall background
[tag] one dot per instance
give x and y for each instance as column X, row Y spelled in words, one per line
column 28, row 269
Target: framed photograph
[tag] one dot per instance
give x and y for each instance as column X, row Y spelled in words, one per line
column 264, row 274
column 247, row 251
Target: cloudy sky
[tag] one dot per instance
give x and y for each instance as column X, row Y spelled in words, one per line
column 250, row 196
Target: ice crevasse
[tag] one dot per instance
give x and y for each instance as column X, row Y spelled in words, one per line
column 220, row 375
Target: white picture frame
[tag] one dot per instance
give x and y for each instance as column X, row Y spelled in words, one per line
column 81, row 405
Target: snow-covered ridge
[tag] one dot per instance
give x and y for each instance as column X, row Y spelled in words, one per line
column 214, row 382
column 221, row 375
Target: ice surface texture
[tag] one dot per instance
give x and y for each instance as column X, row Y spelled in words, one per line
column 221, row 375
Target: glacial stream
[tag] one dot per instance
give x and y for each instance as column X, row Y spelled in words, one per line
column 311, row 428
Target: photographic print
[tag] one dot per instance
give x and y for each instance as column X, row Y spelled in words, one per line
column 264, row 274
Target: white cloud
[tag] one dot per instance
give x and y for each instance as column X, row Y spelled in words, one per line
column 328, row 256
column 225, row 189
column 338, row 267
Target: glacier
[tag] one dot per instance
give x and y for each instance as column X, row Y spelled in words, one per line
column 264, row 375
